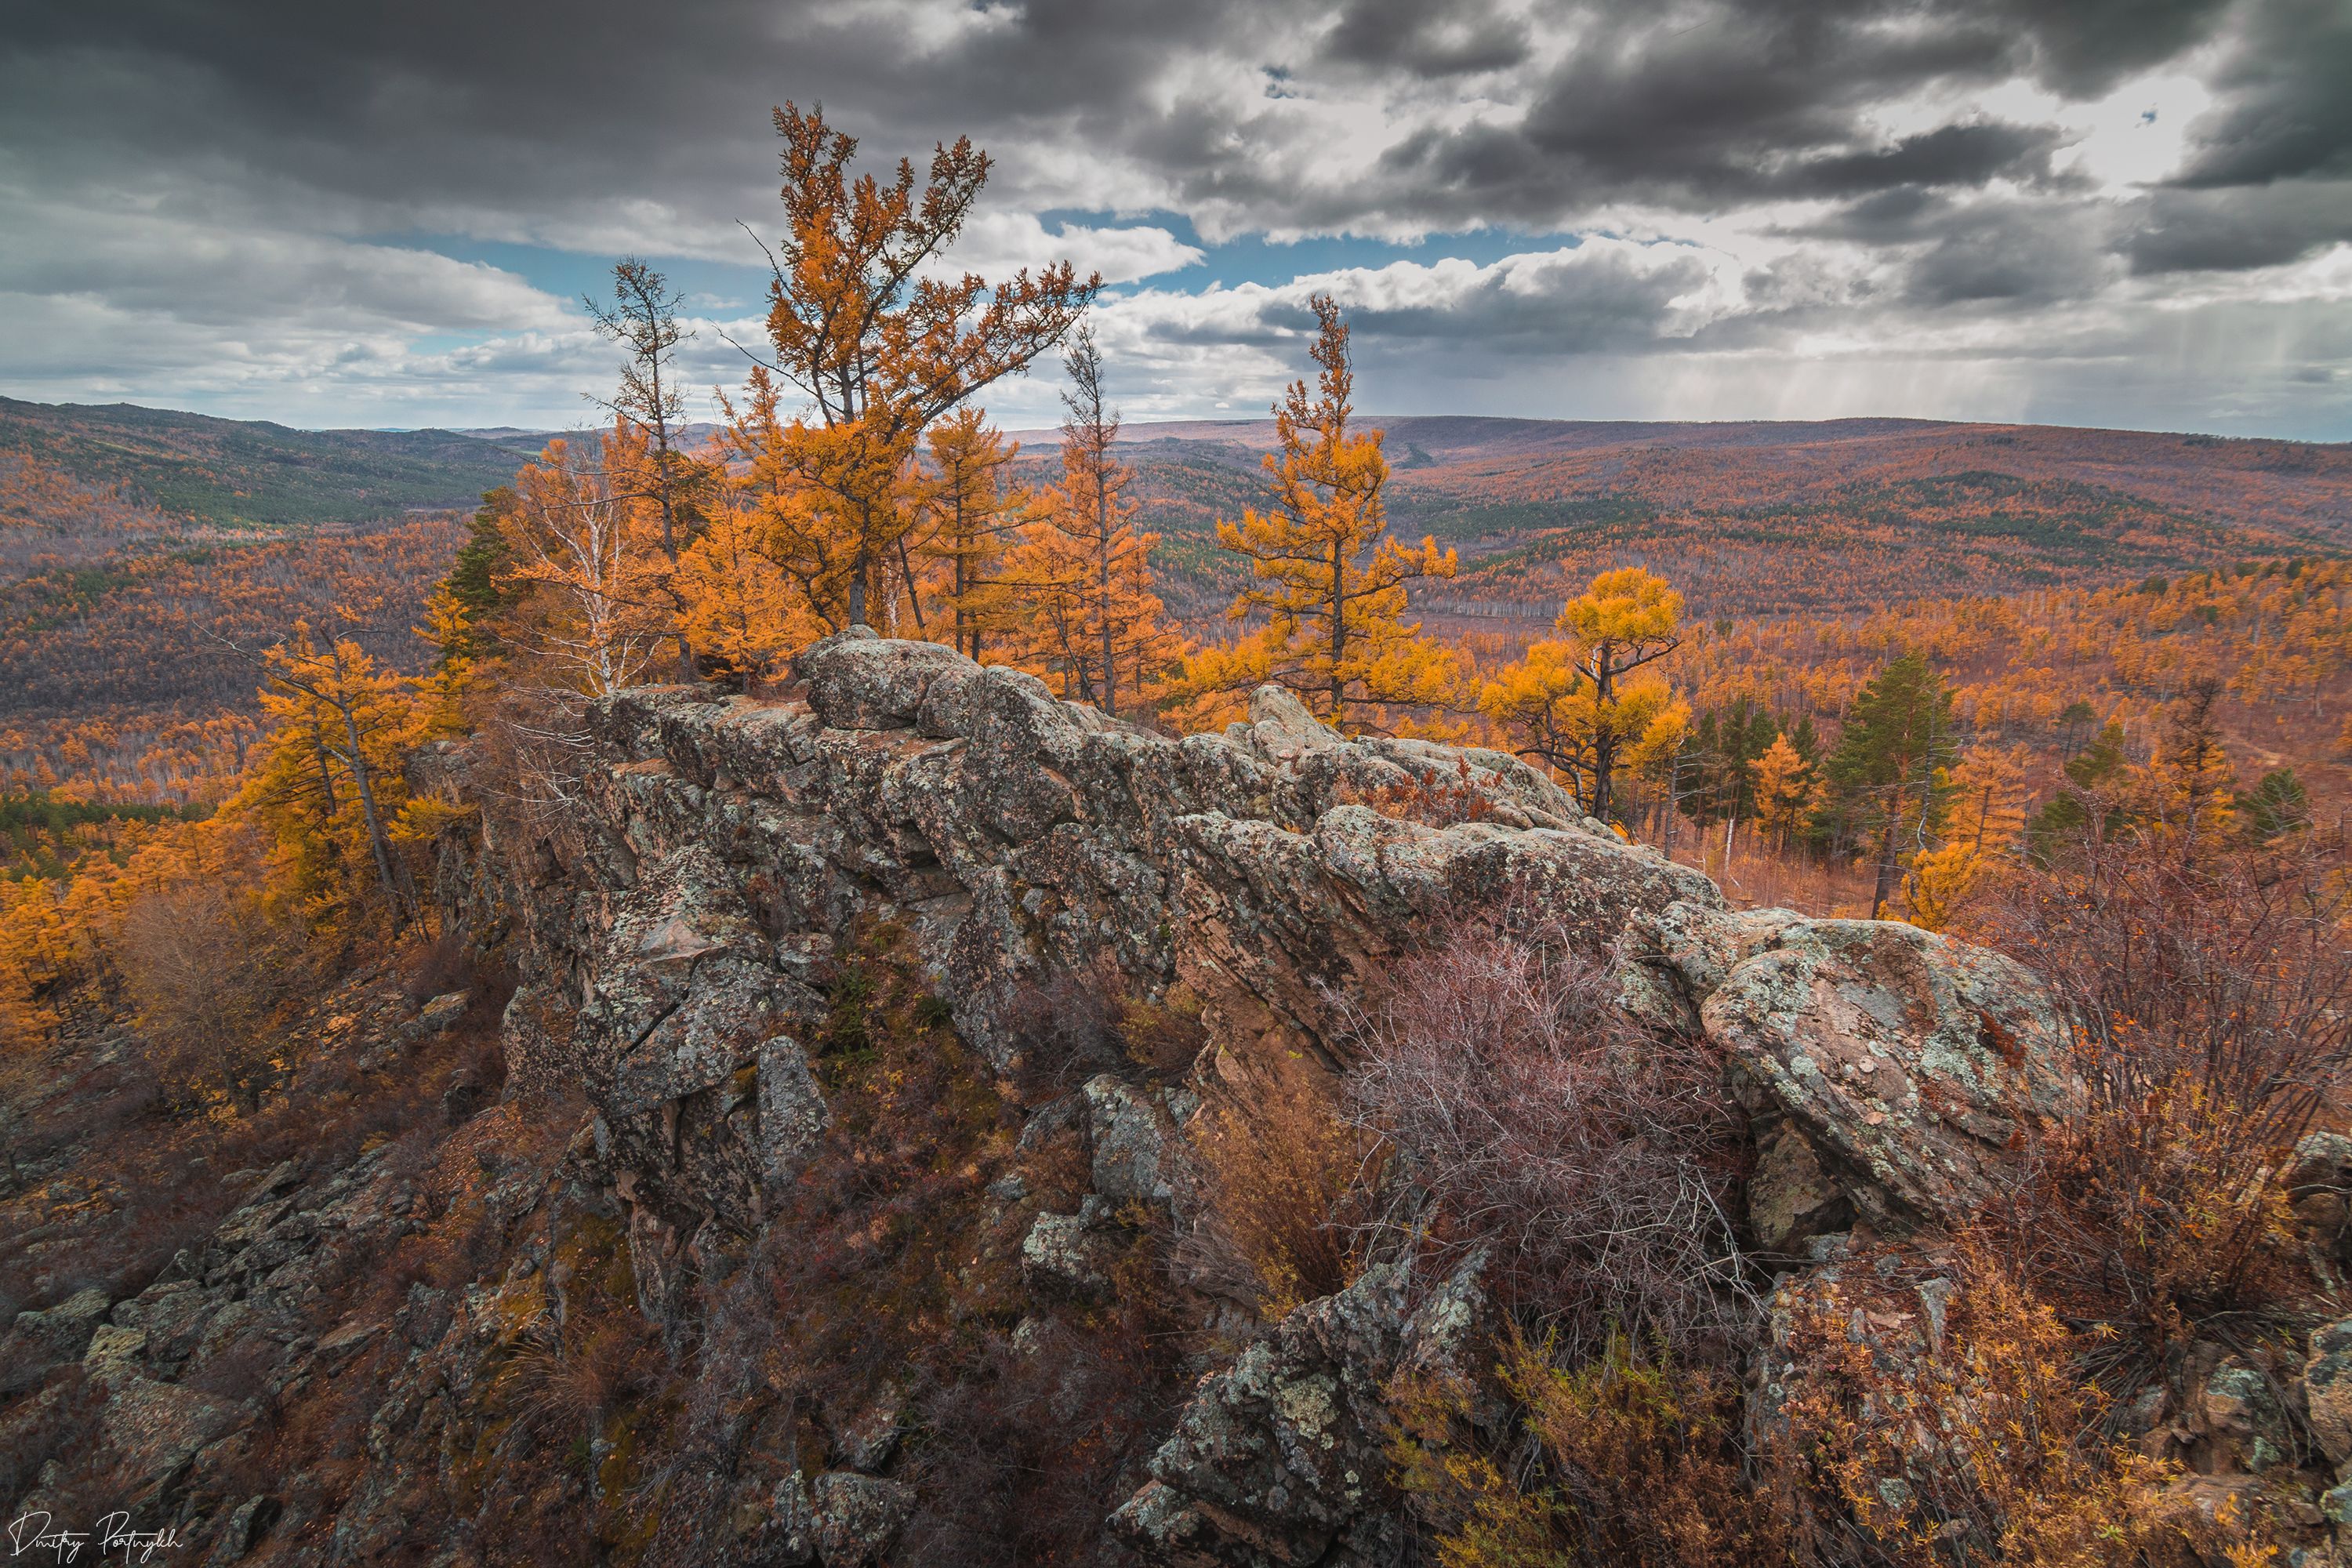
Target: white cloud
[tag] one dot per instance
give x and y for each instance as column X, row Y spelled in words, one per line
column 996, row 244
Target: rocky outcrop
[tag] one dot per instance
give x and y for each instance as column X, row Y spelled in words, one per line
column 734, row 846
column 690, row 949
column 1891, row 1070
column 1283, row 1457
column 735, row 852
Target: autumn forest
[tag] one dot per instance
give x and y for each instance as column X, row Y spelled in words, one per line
column 310, row 747
column 1731, row 592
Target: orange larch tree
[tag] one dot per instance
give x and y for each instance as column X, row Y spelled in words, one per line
column 971, row 516
column 1332, row 590
column 881, row 346
column 1084, row 567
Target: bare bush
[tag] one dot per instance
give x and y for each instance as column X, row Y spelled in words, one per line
column 1014, row 1459
column 2210, row 1004
column 206, row 967
column 1532, row 1120
column 1068, row 1027
column 532, row 758
column 440, row 966
column 562, row 1382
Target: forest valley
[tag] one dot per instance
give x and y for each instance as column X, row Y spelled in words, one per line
column 2134, row 789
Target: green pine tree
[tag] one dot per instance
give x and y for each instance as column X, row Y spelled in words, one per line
column 2276, row 807
column 2059, row 825
column 1886, row 775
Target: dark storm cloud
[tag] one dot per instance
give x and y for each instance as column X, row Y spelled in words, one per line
column 1949, row 155
column 2235, row 229
column 1424, row 39
column 431, row 103
column 260, row 185
column 1736, row 104
column 438, row 104
column 2286, row 98
column 2007, row 253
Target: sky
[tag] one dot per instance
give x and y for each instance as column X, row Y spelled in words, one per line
column 2121, row 213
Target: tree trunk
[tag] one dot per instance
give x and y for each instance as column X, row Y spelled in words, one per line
column 1673, row 799
column 376, row 839
column 857, row 590
column 1102, row 576
column 1339, row 631
column 326, row 779
column 1886, row 880
column 907, row 570
column 1605, row 745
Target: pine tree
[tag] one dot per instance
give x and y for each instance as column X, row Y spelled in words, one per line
column 2060, row 824
column 1332, row 580
column 1886, row 773
column 2278, row 805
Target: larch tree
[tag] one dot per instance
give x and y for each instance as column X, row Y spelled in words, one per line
column 1331, row 580
column 738, row 610
column 971, row 517
column 332, row 768
column 1783, row 787
column 1083, row 565
column 880, row 344
column 1554, row 714
column 1577, row 703
column 2194, row 785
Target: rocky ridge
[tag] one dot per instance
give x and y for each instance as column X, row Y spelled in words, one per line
column 684, row 950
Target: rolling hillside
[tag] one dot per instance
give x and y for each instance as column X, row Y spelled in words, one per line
column 125, row 533
column 244, row 476
column 1766, row 519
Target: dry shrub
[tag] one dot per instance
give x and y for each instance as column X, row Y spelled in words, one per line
column 562, row 1383
column 206, row 967
column 2210, row 1004
column 530, row 755
column 1436, row 798
column 1068, row 1028
column 442, row 965
column 1166, row 1036
column 1987, row 1449
column 1628, row 1459
column 1288, row 1194
column 63, row 1424
column 1530, row 1119
column 1018, row 1461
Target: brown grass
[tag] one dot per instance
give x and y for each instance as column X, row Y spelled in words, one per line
column 1289, row 1192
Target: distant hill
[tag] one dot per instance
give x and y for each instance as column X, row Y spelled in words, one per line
column 1763, row 518
column 251, row 476
column 126, row 534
